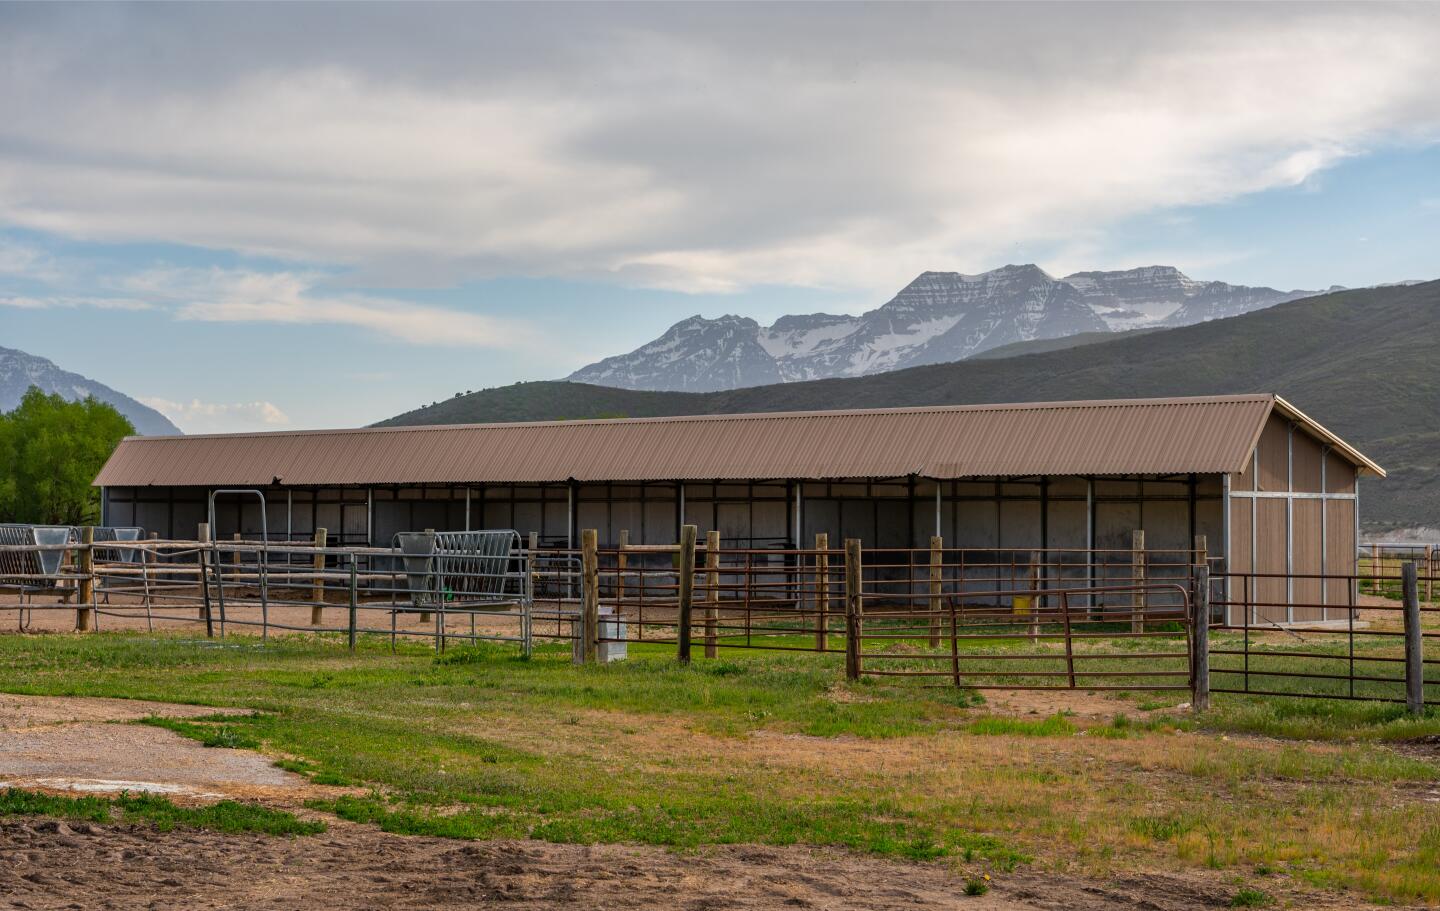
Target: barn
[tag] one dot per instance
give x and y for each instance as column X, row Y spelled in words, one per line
column 1271, row 489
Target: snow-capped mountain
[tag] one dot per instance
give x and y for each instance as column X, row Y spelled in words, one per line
column 19, row 371
column 938, row 317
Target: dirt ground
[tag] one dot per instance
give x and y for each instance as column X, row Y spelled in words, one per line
column 77, row 745
column 55, row 865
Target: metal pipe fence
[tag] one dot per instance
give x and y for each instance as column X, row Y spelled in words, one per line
column 1350, row 652
column 264, row 587
column 984, row 618
column 1033, row 638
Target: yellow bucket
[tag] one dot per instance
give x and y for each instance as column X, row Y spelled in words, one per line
column 1020, row 604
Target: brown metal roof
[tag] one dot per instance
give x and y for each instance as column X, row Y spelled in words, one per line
column 1135, row 436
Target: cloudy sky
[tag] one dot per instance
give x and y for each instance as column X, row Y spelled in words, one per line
column 282, row 216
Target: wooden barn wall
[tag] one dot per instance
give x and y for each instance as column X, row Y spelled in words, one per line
column 1292, row 511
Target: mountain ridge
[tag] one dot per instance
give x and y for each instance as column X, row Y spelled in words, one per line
column 937, row 318
column 1361, row 362
column 20, row 370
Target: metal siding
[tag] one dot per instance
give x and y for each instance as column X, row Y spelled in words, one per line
column 1307, row 557
column 1307, row 460
column 1274, row 458
column 1270, row 539
column 1339, row 549
column 1339, row 474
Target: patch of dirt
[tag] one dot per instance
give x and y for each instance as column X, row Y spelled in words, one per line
column 17, row 713
column 54, row 865
column 63, row 744
column 1081, row 703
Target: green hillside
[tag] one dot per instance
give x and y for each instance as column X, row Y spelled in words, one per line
column 1365, row 363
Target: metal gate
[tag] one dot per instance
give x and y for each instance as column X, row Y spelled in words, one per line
column 1123, row 637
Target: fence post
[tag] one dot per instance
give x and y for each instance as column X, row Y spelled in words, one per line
column 1414, row 641
column 203, row 563
column 937, row 546
column 354, row 601
column 149, row 558
column 687, row 591
column 317, row 592
column 853, row 608
column 86, row 592
column 589, row 595
column 1200, row 626
column 425, row 614
column 1202, row 558
column 1032, row 580
column 1137, row 578
column 822, row 591
column 712, row 597
column 621, row 561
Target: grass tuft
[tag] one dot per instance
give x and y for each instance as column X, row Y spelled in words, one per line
column 1251, row 898
column 1054, row 726
column 228, row 816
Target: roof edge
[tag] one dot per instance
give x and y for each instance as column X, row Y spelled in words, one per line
column 741, row 415
column 1359, row 459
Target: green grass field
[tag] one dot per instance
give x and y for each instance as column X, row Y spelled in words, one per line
column 776, row 748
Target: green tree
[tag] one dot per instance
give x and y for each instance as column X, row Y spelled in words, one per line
column 50, row 451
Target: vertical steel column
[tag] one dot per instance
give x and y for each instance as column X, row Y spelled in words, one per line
column 1324, row 536
column 939, row 512
column 467, row 507
column 1225, row 545
column 1290, row 524
column 799, row 526
column 1090, row 537
column 569, row 515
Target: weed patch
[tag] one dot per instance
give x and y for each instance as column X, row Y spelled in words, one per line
column 229, row 816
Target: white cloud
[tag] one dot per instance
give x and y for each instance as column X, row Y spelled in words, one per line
column 196, row 416
column 49, row 302
column 247, row 296
column 697, row 149
column 24, row 261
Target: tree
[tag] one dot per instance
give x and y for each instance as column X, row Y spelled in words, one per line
column 50, row 452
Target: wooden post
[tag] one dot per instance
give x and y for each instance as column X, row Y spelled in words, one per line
column 1032, row 582
column 203, row 535
column 425, row 614
column 687, row 590
column 621, row 560
column 1200, row 675
column 853, row 608
column 1137, row 577
column 354, row 604
column 1202, row 558
column 1414, row 641
column 149, row 558
column 532, row 549
column 712, row 597
column 937, row 556
column 589, row 595
column 822, row 591
column 317, row 591
column 87, row 582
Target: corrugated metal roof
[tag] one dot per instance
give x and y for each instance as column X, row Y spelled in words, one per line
column 1130, row 436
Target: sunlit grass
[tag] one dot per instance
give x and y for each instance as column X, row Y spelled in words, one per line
column 779, row 749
